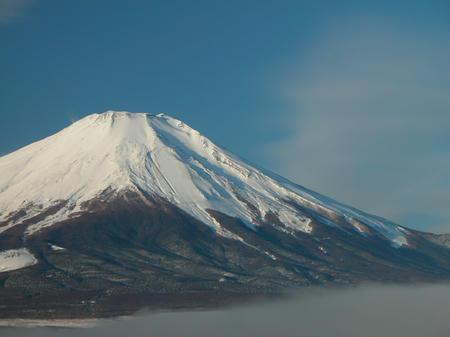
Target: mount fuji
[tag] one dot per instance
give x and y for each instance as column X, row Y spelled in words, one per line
column 121, row 211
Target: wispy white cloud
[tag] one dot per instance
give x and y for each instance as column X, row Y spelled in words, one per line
column 370, row 122
column 12, row 10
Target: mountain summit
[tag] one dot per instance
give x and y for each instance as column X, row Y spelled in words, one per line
column 122, row 206
column 159, row 156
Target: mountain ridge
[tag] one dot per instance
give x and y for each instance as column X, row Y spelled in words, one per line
column 160, row 155
column 121, row 211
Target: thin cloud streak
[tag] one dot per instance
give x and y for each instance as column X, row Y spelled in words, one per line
column 370, row 122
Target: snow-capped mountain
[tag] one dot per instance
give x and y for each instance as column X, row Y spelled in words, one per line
column 123, row 210
column 156, row 155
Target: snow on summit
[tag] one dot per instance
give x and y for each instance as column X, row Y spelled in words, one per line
column 160, row 155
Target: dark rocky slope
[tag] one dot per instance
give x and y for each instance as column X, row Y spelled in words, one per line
column 129, row 252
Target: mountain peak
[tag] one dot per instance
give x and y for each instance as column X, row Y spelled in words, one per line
column 123, row 125
column 123, row 113
column 160, row 156
column 114, row 114
column 112, row 117
column 123, row 205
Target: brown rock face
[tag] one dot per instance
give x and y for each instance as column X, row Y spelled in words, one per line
column 128, row 252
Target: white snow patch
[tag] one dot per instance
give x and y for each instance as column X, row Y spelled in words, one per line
column 56, row 248
column 323, row 250
column 273, row 257
column 16, row 259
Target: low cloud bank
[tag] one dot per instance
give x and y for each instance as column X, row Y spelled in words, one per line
column 368, row 311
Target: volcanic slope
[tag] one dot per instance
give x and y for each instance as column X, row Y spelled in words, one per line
column 122, row 210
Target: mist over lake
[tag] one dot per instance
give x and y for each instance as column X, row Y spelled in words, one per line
column 370, row 311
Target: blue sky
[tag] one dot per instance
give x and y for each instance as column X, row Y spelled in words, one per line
column 349, row 98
